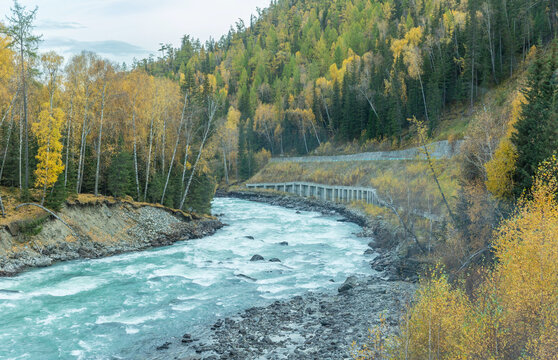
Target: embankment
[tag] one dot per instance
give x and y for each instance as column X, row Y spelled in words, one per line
column 104, row 227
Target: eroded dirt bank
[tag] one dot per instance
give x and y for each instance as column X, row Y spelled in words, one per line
column 104, row 228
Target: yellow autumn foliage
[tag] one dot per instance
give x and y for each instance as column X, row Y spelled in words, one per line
column 6, row 66
column 434, row 326
column 499, row 170
column 512, row 314
column 526, row 277
column 49, row 157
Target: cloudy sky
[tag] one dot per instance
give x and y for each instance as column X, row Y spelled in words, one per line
column 123, row 29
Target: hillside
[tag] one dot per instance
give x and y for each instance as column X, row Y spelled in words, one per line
column 303, row 73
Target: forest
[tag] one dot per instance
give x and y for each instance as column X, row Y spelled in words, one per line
column 87, row 125
column 301, row 75
column 305, row 76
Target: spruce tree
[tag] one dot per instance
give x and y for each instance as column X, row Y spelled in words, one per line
column 536, row 136
column 121, row 175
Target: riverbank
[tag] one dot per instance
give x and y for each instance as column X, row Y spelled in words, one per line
column 101, row 227
column 317, row 325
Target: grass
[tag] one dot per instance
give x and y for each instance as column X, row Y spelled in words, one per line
column 406, row 182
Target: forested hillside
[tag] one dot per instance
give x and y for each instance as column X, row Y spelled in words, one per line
column 302, row 73
column 305, row 72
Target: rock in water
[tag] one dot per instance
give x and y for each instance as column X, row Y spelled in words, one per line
column 350, row 283
column 242, row 276
column 249, row 237
column 5, row 291
column 165, row 346
column 274, row 260
column 257, row 258
column 284, row 243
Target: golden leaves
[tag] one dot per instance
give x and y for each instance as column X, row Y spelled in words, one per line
column 500, row 170
column 49, row 157
column 514, row 312
column 409, row 48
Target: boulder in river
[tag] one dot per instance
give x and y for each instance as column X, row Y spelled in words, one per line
column 274, row 260
column 249, row 237
column 284, row 243
column 350, row 283
column 165, row 346
column 257, row 258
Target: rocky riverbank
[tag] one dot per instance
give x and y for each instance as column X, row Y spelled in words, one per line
column 319, row 325
column 102, row 228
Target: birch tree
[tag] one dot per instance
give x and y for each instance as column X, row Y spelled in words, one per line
column 20, row 31
column 212, row 105
column 105, row 70
column 48, row 133
column 180, row 126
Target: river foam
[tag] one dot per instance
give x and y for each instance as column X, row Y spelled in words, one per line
column 123, row 306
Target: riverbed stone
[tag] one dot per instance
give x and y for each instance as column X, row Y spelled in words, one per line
column 257, row 258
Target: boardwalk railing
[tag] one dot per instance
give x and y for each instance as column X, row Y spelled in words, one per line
column 344, row 194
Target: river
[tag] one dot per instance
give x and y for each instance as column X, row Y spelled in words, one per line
column 123, row 306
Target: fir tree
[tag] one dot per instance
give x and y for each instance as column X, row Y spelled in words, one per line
column 536, row 136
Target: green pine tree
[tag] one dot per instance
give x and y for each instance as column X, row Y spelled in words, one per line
column 536, row 137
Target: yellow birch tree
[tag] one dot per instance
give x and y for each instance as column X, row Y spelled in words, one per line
column 47, row 131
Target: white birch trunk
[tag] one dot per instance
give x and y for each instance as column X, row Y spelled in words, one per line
column 100, row 140
column 175, row 148
column 212, row 108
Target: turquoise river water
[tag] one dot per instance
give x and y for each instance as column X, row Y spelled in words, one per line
column 123, row 306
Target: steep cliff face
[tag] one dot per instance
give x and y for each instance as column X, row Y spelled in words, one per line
column 103, row 228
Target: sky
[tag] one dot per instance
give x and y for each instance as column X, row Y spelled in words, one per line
column 122, row 30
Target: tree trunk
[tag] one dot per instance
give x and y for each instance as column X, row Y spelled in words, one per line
column 100, row 140
column 316, row 133
column 327, row 111
column 2, row 207
column 51, row 213
column 148, row 165
column 164, row 142
column 7, row 145
column 9, row 108
column 135, row 149
column 472, row 74
column 68, row 136
column 46, row 173
column 212, row 108
column 82, row 143
column 424, row 99
column 25, row 120
column 304, row 136
column 20, row 150
column 431, row 165
column 175, row 148
column 225, row 165
column 188, row 138
column 370, row 103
